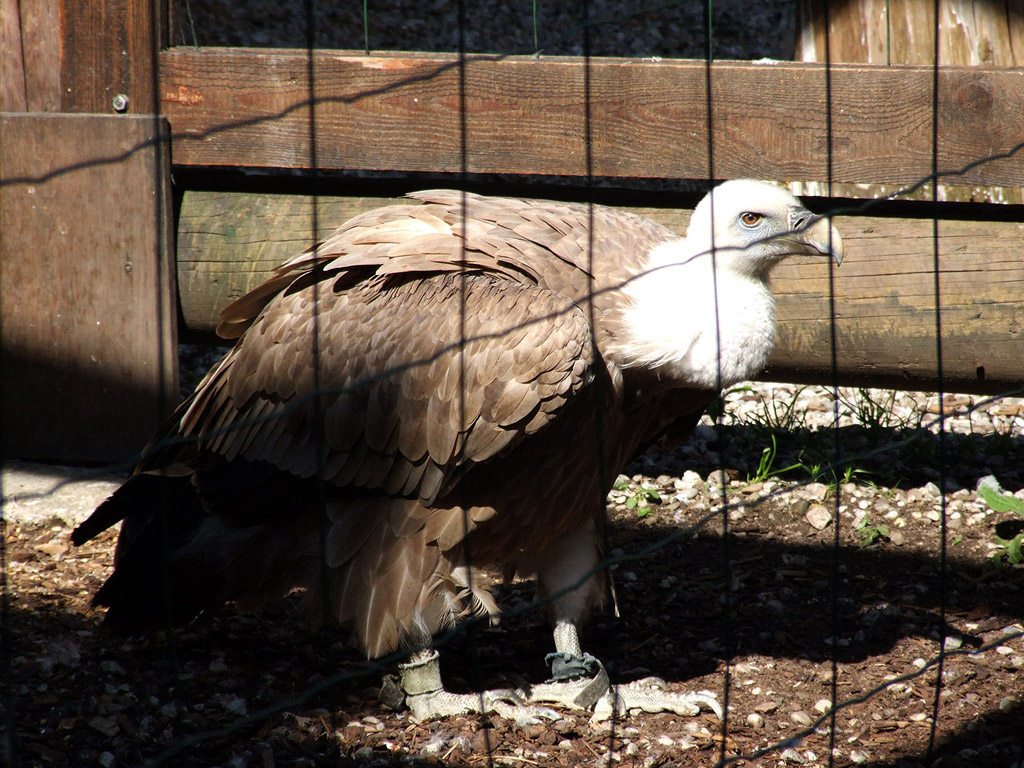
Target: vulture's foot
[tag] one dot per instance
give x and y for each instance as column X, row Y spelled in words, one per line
column 427, row 699
column 651, row 695
column 577, row 681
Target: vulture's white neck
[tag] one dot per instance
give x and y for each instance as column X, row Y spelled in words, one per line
column 697, row 330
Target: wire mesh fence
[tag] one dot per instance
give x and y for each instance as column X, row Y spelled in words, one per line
column 799, row 555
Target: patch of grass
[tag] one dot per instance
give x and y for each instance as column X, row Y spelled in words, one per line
column 776, row 413
column 875, row 409
column 766, row 464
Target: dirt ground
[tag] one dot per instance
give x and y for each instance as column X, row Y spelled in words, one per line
column 778, row 615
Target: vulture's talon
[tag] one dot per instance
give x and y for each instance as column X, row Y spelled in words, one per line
column 649, row 695
column 427, row 699
column 573, row 691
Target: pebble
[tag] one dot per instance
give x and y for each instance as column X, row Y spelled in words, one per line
column 800, row 717
column 755, row 721
column 819, row 517
column 821, row 706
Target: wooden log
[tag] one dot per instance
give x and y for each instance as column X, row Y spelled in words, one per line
column 87, row 293
column 885, row 305
column 247, row 107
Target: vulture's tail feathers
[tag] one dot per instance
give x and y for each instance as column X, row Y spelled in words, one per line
column 137, row 492
column 176, row 559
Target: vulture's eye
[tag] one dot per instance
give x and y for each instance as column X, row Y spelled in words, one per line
column 750, row 219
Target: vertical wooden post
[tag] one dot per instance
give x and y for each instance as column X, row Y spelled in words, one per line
column 109, row 50
column 88, row 301
column 29, row 56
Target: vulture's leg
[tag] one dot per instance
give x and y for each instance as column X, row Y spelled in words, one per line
column 427, row 699
column 569, row 573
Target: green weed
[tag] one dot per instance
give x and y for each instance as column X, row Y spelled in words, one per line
column 871, row 535
column 639, row 497
column 1011, row 544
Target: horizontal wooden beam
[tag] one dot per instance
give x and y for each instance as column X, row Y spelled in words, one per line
column 775, row 120
column 884, row 295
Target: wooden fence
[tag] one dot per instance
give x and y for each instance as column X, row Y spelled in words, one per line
column 92, row 282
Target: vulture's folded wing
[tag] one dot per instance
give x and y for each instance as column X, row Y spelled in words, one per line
column 421, row 372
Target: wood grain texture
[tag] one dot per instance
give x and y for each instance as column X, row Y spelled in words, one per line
column 244, row 107
column 885, row 307
column 87, row 292
column 109, row 48
column 29, row 56
column 985, row 33
column 976, row 33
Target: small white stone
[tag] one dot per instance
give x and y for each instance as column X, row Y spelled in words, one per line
column 800, row 717
column 822, row 706
column 755, row 721
column 819, row 517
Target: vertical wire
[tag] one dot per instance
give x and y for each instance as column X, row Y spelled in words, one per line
column 834, row 362
column 888, row 36
column 366, row 27
column 536, row 37
column 467, row 546
column 727, row 633
column 940, row 385
column 600, row 435
column 316, row 404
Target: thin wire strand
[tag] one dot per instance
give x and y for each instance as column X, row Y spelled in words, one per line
column 940, row 385
column 837, row 445
column 728, row 639
column 463, row 276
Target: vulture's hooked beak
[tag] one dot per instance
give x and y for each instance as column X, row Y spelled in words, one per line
column 818, row 233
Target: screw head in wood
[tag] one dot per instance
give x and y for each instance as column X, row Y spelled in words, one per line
column 120, row 103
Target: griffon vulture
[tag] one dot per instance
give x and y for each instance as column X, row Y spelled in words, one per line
column 458, row 379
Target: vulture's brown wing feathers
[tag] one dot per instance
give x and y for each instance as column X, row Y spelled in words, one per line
column 396, row 403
